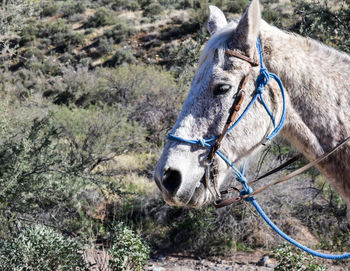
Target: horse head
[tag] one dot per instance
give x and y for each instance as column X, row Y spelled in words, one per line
column 181, row 169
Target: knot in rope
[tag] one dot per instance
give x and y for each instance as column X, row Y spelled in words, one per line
column 263, row 78
column 201, row 142
column 246, row 191
column 260, row 90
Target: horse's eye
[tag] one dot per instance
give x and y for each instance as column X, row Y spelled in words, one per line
column 221, row 89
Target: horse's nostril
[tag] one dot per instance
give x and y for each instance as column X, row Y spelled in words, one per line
column 171, row 180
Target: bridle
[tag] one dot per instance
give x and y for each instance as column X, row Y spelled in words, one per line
column 213, row 144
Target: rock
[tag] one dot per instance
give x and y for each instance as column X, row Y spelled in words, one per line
column 262, row 261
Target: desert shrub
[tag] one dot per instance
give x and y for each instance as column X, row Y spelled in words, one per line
column 28, row 157
column 323, row 21
column 238, row 6
column 153, row 100
column 75, row 38
column 132, row 5
column 57, row 31
column 199, row 13
column 102, row 17
column 105, row 46
column 29, row 31
column 52, row 28
column 46, row 163
column 24, row 82
column 128, row 251
column 33, row 52
column 40, row 248
column 152, row 10
column 98, row 133
column 35, row 66
column 185, row 57
column 119, row 4
column 121, row 31
column 195, row 230
column 121, row 55
column 49, row 8
column 76, row 18
column 145, row 3
column 13, row 16
column 292, row 259
column 122, row 4
column 70, row 8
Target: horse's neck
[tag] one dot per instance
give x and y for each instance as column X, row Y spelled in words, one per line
column 317, row 81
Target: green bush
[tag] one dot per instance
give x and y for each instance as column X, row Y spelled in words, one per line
column 52, row 28
column 102, row 17
column 128, row 251
column 291, row 258
column 122, row 55
column 325, row 22
column 70, row 8
column 46, row 163
column 132, row 5
column 99, row 132
column 237, row 6
column 49, row 8
column 119, row 4
column 40, row 248
column 29, row 31
column 120, row 32
column 152, row 10
column 105, row 46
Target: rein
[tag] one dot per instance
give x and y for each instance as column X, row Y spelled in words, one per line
column 213, row 144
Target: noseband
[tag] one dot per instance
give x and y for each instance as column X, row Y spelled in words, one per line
column 213, row 144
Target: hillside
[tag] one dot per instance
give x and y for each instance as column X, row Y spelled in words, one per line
column 89, row 91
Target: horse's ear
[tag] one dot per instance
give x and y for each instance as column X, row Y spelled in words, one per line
column 248, row 27
column 216, row 20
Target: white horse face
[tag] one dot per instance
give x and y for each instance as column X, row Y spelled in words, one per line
column 181, row 169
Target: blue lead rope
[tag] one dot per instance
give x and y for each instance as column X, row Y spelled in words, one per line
column 262, row 80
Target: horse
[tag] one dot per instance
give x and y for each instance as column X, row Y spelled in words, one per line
column 317, row 100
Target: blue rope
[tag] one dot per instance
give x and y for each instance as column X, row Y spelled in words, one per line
column 262, row 80
column 292, row 241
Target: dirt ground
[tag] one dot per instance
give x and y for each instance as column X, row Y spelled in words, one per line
column 240, row 261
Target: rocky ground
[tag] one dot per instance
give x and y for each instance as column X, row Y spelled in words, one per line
column 240, row 261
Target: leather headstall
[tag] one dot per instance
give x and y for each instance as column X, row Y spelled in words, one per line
column 236, row 103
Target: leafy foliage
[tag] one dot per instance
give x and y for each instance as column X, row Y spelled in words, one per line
column 324, row 21
column 237, row 6
column 128, row 251
column 152, row 9
column 291, row 259
column 40, row 248
column 102, row 17
column 120, row 31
